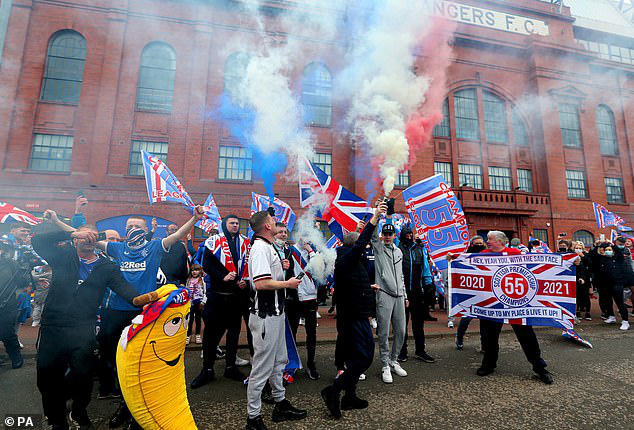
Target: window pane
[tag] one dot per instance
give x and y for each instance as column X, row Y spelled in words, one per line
column 583, row 236
column 607, row 131
column 155, row 88
column 525, row 180
column 500, row 178
column 323, row 161
column 569, row 123
column 444, row 169
column 157, row 149
column 442, row 129
column 541, row 234
column 614, row 190
column 317, row 95
column 51, row 153
column 576, row 181
column 234, row 163
column 520, row 135
column 470, row 175
column 466, row 111
column 495, row 128
column 64, row 67
column 403, row 179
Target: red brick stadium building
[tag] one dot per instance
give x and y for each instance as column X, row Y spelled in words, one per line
column 539, row 118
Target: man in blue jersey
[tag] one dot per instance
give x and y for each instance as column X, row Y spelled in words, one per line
column 138, row 260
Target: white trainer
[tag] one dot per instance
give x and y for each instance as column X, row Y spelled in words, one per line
column 386, row 375
column 625, row 325
column 373, row 323
column 362, row 377
column 187, row 339
column 199, row 339
column 450, row 324
column 241, row 362
column 610, row 320
column 396, row 368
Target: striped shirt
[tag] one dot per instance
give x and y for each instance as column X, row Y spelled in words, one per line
column 265, row 263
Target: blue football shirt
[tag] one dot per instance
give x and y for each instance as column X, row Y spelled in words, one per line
column 138, row 267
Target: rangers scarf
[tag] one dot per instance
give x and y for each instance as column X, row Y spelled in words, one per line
column 219, row 246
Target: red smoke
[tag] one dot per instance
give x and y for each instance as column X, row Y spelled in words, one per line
column 436, row 52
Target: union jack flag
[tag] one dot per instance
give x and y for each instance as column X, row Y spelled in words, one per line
column 541, row 248
column 283, row 212
column 211, row 218
column 219, row 247
column 334, row 242
column 10, row 214
column 162, row 185
column 604, row 217
column 339, row 207
column 526, row 289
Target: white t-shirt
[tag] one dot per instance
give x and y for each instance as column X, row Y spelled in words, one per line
column 265, row 263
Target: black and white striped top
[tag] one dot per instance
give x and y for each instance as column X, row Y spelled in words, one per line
column 265, row 263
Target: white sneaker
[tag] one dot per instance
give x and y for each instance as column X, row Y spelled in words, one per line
column 450, row 324
column 396, row 368
column 241, row 362
column 199, row 339
column 373, row 323
column 625, row 325
column 386, row 375
column 362, row 377
column 302, row 321
column 610, row 320
column 318, row 314
column 187, row 339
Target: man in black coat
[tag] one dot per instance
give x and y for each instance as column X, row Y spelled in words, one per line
column 174, row 261
column 355, row 302
column 67, row 333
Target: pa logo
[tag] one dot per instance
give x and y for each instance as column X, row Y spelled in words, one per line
column 514, row 286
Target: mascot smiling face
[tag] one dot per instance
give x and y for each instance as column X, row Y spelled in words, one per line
column 151, row 366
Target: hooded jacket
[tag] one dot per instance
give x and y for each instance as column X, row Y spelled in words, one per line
column 388, row 265
column 355, row 298
column 416, row 272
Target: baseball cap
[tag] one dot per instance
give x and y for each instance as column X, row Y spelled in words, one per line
column 388, row 229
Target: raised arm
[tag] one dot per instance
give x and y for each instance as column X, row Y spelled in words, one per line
column 182, row 232
column 51, row 215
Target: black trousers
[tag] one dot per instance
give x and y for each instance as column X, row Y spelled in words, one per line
column 429, row 291
column 490, row 332
column 583, row 297
column 8, row 336
column 195, row 315
column 357, row 349
column 307, row 309
column 616, row 293
column 112, row 324
column 416, row 310
column 60, row 349
column 222, row 314
column 605, row 298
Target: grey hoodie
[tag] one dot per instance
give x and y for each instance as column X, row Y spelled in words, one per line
column 388, row 263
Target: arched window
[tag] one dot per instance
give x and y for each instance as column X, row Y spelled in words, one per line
column 317, row 95
column 520, row 135
column 64, row 67
column 466, row 111
column 155, row 89
column 584, row 236
column 442, row 129
column 607, row 131
column 235, row 70
column 495, row 128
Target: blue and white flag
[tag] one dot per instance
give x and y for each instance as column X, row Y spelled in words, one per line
column 334, row 242
column 283, row 212
column 541, row 248
column 162, row 185
column 211, row 219
column 294, row 362
column 604, row 217
column 438, row 218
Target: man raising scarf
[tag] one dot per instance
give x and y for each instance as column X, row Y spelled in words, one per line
column 224, row 260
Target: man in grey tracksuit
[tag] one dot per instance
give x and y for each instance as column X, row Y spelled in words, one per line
column 391, row 300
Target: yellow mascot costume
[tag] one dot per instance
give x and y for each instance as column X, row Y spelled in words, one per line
column 150, row 362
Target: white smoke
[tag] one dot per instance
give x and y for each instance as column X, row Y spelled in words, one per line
column 321, row 265
column 382, row 85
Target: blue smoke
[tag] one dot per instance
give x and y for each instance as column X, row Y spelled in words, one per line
column 241, row 121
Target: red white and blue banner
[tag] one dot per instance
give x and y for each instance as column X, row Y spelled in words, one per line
column 283, row 212
column 541, row 248
column 605, row 218
column 340, row 208
column 527, row 289
column 211, row 219
column 219, row 246
column 162, row 185
column 438, row 218
column 11, row 214
column 334, row 242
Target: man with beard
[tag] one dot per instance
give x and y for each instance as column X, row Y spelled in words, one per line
column 224, row 260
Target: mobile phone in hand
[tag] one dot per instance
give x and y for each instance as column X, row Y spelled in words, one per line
column 101, row 236
column 301, row 275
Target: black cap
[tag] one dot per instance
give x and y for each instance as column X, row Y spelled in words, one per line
column 388, row 229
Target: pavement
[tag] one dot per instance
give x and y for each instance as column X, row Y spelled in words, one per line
column 591, row 389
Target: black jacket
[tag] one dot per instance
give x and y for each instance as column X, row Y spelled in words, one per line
column 174, row 264
column 584, row 269
column 610, row 271
column 12, row 277
column 413, row 263
column 355, row 298
column 71, row 302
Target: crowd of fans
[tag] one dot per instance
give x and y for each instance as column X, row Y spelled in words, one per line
column 81, row 287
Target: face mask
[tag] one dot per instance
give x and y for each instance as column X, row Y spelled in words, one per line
column 279, row 243
column 135, row 237
column 609, row 253
column 620, row 246
column 579, row 251
column 563, row 249
column 478, row 248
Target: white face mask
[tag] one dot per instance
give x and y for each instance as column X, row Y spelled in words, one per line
column 279, row 243
column 609, row 253
column 579, row 251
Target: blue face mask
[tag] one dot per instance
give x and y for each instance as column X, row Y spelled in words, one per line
column 620, row 246
column 135, row 238
column 609, row 253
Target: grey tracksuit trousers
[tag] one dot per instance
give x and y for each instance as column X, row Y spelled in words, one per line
column 269, row 360
column 390, row 309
